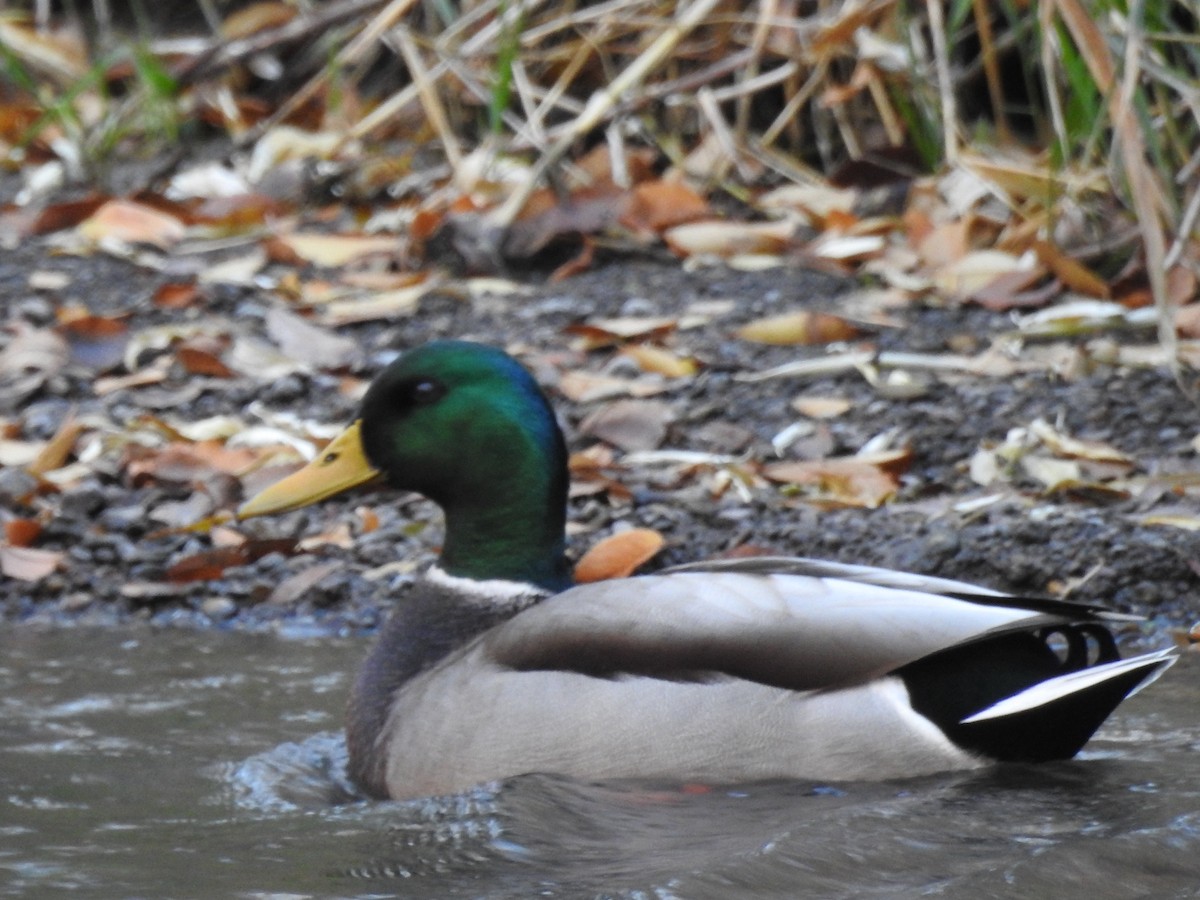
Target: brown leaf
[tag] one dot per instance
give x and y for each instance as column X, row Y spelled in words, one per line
column 176, row 295
column 856, row 481
column 255, row 18
column 211, row 564
column 58, row 216
column 1071, row 272
column 1187, row 320
column 800, row 327
column 658, row 205
column 630, row 424
column 58, row 450
column 618, row 555
column 202, row 361
column 22, row 532
column 97, row 342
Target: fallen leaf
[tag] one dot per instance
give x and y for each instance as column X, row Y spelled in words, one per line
column 630, row 424
column 176, row 295
column 719, row 238
column 97, row 342
column 382, row 305
column 255, row 18
column 800, row 327
column 975, row 271
column 660, row 361
column 589, row 387
column 58, row 216
column 334, row 250
column 28, row 563
column 606, row 332
column 1065, row 445
column 58, row 449
column 185, row 463
column 821, row 407
column 866, row 480
column 202, row 361
column 211, row 564
column 658, row 205
column 1071, row 272
column 314, row 345
column 293, row 588
column 618, row 555
column 22, row 532
column 133, row 223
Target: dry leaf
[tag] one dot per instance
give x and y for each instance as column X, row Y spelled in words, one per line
column 176, row 296
column 659, row 361
column 211, row 564
column 866, row 480
column 333, row 250
column 22, row 532
column 301, row 340
column 58, row 449
column 630, row 424
column 97, row 342
column 658, row 205
column 800, row 327
column 618, row 555
column 27, row 563
column 133, row 223
column 588, row 387
column 821, row 407
column 1071, row 272
column 730, row 238
column 975, row 271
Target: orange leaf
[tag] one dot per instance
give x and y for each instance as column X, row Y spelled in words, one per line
column 22, row 532
column 662, row 362
column 211, row 564
column 54, row 455
column 197, row 361
column 658, row 205
column 176, row 296
column 618, row 555
column 1071, row 272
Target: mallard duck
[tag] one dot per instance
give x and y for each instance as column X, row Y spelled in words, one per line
column 495, row 665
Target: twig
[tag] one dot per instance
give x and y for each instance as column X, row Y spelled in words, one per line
column 601, row 104
column 941, row 56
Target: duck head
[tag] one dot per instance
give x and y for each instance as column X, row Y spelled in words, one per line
column 465, row 425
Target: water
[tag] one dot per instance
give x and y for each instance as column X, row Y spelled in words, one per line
column 175, row 764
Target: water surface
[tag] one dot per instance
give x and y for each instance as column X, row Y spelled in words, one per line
column 147, row 763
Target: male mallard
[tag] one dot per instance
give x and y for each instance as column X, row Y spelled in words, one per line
column 494, row 665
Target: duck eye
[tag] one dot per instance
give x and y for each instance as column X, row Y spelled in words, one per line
column 427, row 391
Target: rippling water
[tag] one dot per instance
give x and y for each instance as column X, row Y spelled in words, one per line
column 182, row 764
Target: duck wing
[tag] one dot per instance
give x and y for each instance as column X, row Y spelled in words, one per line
column 796, row 631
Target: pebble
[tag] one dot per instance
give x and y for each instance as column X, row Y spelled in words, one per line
column 219, row 608
column 15, row 484
column 76, row 601
column 82, row 503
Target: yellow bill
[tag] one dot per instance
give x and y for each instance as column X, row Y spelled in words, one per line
column 341, row 466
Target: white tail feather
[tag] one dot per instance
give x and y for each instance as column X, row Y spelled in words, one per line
column 1055, row 688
